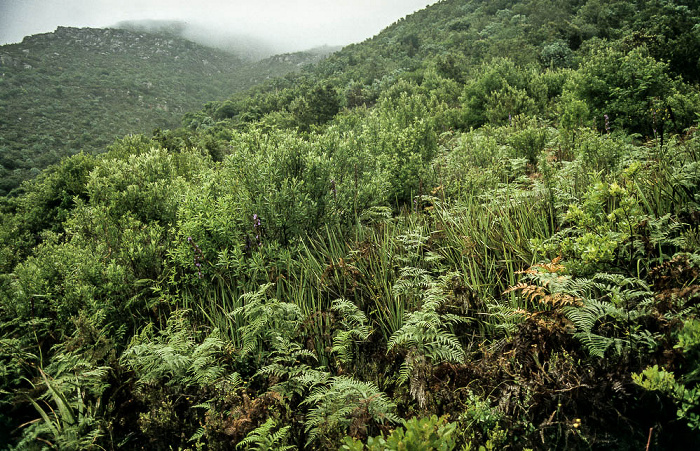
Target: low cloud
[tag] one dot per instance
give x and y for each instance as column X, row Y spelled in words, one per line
column 282, row 25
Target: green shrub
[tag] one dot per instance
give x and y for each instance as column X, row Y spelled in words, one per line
column 417, row 434
column 627, row 87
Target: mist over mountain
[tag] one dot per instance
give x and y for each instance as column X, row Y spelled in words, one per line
column 285, row 26
column 239, row 44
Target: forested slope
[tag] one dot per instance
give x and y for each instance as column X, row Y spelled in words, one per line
column 479, row 228
column 77, row 90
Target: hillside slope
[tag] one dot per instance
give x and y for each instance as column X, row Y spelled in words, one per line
column 457, row 40
column 479, row 229
column 78, row 89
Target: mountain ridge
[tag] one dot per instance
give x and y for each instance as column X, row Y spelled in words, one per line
column 77, row 89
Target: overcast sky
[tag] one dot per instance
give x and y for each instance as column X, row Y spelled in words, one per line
column 289, row 24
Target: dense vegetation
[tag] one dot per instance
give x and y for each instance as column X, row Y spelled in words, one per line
column 477, row 230
column 78, row 89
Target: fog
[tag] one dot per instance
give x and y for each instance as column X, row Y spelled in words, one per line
column 275, row 26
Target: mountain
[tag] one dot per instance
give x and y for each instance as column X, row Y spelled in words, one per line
column 479, row 229
column 78, row 89
column 457, row 40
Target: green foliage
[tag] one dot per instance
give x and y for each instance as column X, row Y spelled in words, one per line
column 653, row 378
column 263, row 439
column 424, row 335
column 267, row 322
column 496, row 94
column 481, row 424
column 634, row 90
column 430, row 433
column 689, row 343
column 319, row 107
column 613, row 307
column 173, row 356
column 557, row 54
column 407, row 143
column 337, row 249
column 687, row 399
column 128, row 81
column 480, row 414
column 529, row 139
column 346, row 404
column 601, row 229
column 354, row 329
column 45, row 207
column 70, row 407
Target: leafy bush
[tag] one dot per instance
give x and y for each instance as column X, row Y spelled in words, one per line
column 685, row 391
column 430, row 433
column 628, row 86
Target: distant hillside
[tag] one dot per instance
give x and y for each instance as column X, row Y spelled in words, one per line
column 457, row 40
column 78, row 89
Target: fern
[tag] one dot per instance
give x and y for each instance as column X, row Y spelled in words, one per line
column 425, row 336
column 345, row 403
column 268, row 332
column 604, row 310
column 354, row 329
column 612, row 307
column 263, row 439
column 546, row 286
column 267, row 321
column 71, row 412
column 288, row 367
column 197, row 436
column 174, row 355
column 13, row 357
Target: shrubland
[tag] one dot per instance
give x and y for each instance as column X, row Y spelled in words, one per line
column 461, row 250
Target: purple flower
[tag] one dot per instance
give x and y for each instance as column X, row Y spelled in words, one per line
column 198, row 256
column 256, row 228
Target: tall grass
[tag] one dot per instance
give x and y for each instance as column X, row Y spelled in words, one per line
column 215, row 306
column 489, row 239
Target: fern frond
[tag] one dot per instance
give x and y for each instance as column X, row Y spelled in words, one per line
column 174, row 357
column 425, row 336
column 197, row 435
column 263, row 439
column 336, row 404
column 627, row 299
column 404, row 372
column 595, row 344
column 354, row 322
